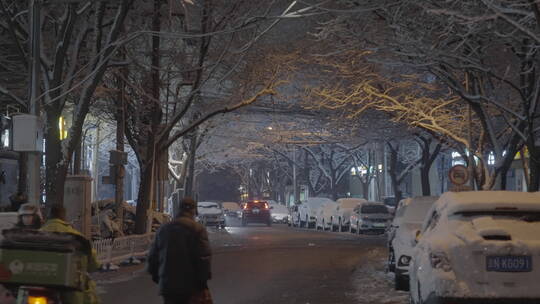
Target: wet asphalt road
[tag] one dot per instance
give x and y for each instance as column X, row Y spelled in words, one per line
column 278, row 264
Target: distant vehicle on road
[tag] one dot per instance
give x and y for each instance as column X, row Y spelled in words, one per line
column 279, row 213
column 231, row 209
column 342, row 215
column 211, row 214
column 256, row 212
column 409, row 217
column 478, row 247
column 370, row 217
column 307, row 211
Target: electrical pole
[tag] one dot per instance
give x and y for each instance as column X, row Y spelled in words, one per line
column 34, row 158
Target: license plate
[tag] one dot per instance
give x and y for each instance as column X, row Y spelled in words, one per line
column 255, row 210
column 509, row 263
column 379, row 225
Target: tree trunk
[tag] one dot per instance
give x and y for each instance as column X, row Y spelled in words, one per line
column 56, row 167
column 144, row 197
column 424, row 176
column 365, row 188
column 394, row 174
column 119, row 168
column 77, row 160
column 334, row 191
column 190, row 178
column 534, row 166
column 23, row 168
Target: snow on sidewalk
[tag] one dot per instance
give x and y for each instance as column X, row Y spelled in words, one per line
column 373, row 285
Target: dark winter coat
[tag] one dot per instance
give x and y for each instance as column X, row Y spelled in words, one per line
column 179, row 259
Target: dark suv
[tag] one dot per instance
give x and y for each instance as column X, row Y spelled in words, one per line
column 256, row 212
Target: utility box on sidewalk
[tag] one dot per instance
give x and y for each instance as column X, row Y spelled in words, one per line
column 77, row 201
column 27, row 133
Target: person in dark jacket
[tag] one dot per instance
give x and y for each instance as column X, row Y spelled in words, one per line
column 179, row 259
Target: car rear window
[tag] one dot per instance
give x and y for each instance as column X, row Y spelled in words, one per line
column 255, row 204
column 527, row 216
column 374, row 209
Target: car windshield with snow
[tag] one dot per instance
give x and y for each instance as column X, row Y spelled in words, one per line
column 478, row 246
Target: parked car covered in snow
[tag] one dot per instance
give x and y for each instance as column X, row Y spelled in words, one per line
column 369, row 217
column 307, row 210
column 475, row 247
column 324, row 216
column 409, row 216
column 341, row 218
column 280, row 213
column 210, row 214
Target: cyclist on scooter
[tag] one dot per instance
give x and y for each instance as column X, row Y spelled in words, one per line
column 29, row 217
column 57, row 223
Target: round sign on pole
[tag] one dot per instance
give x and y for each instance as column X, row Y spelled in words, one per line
column 458, row 175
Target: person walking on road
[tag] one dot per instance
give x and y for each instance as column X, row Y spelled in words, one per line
column 57, row 223
column 179, row 259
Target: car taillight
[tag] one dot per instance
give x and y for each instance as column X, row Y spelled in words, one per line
column 266, row 206
column 37, row 300
column 440, row 260
column 244, row 207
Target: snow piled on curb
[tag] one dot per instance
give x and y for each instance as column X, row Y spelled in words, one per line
column 373, row 285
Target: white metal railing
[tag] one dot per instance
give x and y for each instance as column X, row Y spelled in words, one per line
column 113, row 251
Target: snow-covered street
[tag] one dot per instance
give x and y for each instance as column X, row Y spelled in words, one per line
column 279, row 264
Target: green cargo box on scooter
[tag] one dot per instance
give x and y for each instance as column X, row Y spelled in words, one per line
column 29, row 257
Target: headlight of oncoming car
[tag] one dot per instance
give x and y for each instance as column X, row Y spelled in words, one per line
column 439, row 260
column 404, row 260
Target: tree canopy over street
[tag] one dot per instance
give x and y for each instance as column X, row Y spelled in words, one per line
column 283, row 92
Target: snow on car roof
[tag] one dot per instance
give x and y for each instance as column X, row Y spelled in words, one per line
column 417, row 208
column 470, row 201
column 207, row 204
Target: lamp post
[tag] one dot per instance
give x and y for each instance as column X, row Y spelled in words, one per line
column 33, row 176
